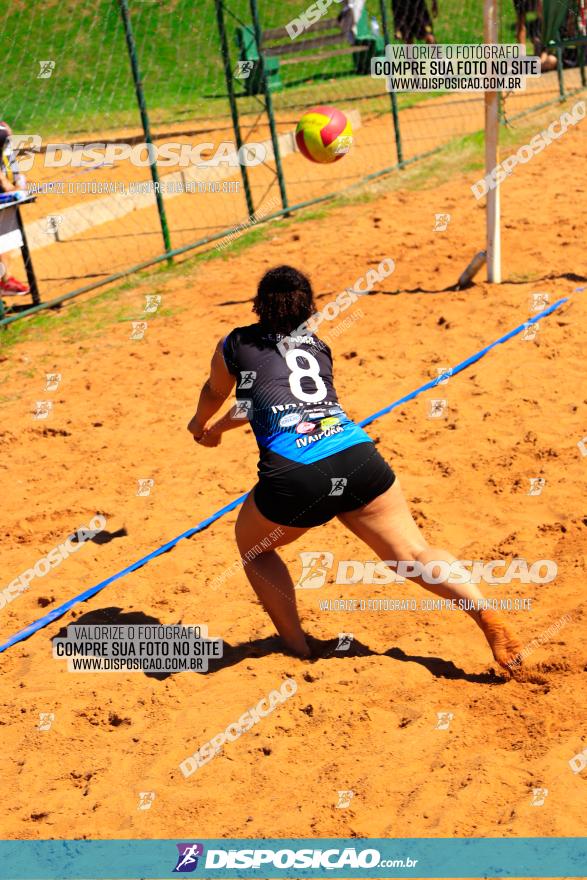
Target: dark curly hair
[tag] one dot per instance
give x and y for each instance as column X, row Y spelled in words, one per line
column 284, row 300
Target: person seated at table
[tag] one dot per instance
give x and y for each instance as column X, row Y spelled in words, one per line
column 11, row 180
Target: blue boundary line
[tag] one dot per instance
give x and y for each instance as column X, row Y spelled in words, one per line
column 87, row 594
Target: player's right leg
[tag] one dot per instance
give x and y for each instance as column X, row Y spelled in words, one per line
column 387, row 527
column 268, row 574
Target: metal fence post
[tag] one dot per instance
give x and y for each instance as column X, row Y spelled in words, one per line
column 232, row 101
column 392, row 95
column 268, row 102
column 136, row 73
column 28, row 263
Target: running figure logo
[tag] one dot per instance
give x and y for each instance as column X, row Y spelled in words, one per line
column 344, row 799
column 437, row 408
column 187, row 860
column 444, row 719
column 344, row 144
column 441, row 222
column 46, row 69
column 315, row 567
column 243, row 69
column 538, row 301
column 52, row 223
column 443, row 374
column 242, row 409
column 537, row 484
column 145, row 487
column 345, row 641
column 46, row 719
column 52, row 381
column 152, row 302
column 139, row 328
column 24, row 146
column 578, row 762
column 146, row 799
column 42, row 409
column 338, row 485
column 247, row 379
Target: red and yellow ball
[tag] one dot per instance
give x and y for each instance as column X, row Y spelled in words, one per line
column 324, row 135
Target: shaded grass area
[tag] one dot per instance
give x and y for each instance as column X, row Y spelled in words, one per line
column 91, row 87
column 86, row 319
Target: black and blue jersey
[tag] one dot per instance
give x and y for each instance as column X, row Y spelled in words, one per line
column 289, row 398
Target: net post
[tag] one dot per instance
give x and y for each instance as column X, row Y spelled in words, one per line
column 392, row 94
column 136, row 74
column 493, row 230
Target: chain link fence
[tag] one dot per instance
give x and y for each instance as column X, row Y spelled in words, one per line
column 102, row 91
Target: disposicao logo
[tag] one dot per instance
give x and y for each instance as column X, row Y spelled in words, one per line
column 187, row 860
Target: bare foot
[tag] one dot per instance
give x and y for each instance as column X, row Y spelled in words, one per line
column 298, row 647
column 548, row 62
column 505, row 647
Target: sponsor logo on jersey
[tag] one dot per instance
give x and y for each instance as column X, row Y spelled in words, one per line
column 329, row 422
column 317, row 414
column 305, row 427
column 312, row 438
column 289, row 420
column 281, row 407
column 301, row 340
column 335, row 410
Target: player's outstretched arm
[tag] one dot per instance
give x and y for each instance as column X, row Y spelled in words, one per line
column 234, row 418
column 216, row 390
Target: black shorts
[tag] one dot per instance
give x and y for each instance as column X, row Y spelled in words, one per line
column 311, row 494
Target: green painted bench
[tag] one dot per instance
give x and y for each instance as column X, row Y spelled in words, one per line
column 320, row 40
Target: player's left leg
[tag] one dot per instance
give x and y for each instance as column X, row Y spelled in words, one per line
column 268, row 574
column 387, row 527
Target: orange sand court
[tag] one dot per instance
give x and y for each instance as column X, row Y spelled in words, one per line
column 364, row 720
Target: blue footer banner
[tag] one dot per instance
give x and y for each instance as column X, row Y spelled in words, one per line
column 283, row 857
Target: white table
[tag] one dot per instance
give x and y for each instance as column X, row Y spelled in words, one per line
column 12, row 236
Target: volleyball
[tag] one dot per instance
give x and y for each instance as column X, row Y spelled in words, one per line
column 324, row 135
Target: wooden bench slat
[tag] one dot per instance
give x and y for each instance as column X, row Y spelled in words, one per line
column 331, row 54
column 301, row 45
column 324, row 24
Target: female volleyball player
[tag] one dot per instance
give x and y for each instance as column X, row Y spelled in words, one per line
column 315, row 463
